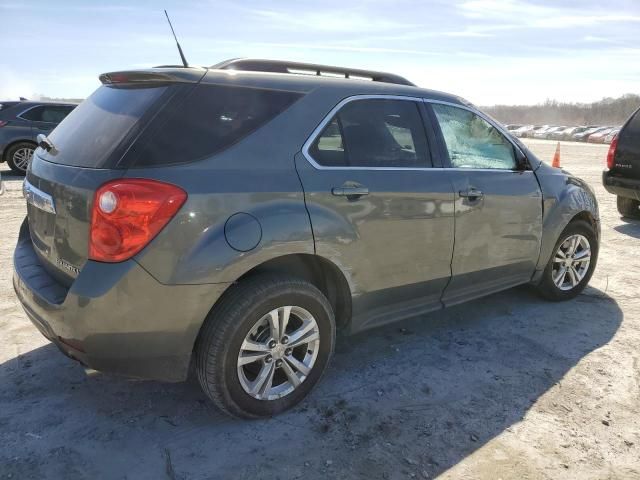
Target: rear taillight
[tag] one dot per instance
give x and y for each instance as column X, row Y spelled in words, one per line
column 127, row 214
column 612, row 152
column 3, row 123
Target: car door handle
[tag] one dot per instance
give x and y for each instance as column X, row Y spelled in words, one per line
column 350, row 192
column 471, row 194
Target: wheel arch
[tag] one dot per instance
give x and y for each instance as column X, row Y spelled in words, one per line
column 319, row 271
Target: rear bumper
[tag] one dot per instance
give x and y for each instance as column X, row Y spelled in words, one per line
column 623, row 187
column 115, row 317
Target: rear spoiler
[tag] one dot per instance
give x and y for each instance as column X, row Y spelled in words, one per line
column 155, row 76
column 279, row 66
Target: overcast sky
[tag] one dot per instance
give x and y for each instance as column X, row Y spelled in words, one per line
column 488, row 51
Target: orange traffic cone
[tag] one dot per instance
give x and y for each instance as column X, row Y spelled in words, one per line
column 556, row 157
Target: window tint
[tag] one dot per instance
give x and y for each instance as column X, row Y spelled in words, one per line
column 328, row 150
column 472, row 141
column 5, row 105
column 374, row 133
column 210, row 119
column 89, row 135
column 55, row 114
column 34, row 114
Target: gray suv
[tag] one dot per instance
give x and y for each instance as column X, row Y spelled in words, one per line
column 231, row 220
column 21, row 123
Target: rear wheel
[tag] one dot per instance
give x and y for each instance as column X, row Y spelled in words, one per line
column 572, row 263
column 19, row 156
column 628, row 207
column 265, row 346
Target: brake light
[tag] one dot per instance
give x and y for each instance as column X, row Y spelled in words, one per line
column 3, row 123
column 612, row 152
column 127, row 214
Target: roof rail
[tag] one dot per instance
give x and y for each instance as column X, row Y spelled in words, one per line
column 280, row 66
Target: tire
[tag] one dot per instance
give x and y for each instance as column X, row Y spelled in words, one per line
column 628, row 207
column 547, row 287
column 237, row 315
column 14, row 152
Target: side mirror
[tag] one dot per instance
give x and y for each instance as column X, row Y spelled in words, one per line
column 521, row 160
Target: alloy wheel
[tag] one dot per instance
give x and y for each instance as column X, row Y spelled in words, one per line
column 22, row 157
column 278, row 353
column 571, row 262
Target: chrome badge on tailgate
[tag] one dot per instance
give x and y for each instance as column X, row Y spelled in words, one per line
column 38, row 198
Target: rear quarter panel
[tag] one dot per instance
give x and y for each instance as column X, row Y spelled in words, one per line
column 257, row 176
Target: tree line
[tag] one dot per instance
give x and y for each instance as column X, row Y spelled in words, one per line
column 608, row 111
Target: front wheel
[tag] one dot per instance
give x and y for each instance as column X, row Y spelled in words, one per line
column 265, row 346
column 572, row 263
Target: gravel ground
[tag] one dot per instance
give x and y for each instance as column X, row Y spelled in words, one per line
column 508, row 386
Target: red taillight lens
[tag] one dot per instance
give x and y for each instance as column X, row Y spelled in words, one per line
column 612, row 152
column 3, row 123
column 127, row 214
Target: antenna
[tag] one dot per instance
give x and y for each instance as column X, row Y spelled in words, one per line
column 184, row 60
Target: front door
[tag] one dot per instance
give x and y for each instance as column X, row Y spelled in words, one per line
column 498, row 206
column 378, row 209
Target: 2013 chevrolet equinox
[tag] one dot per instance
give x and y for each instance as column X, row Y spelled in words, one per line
column 232, row 218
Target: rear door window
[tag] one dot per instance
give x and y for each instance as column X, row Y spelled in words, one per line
column 34, row 114
column 374, row 133
column 55, row 114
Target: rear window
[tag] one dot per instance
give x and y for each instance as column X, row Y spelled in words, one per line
column 5, row 105
column 210, row 119
column 93, row 131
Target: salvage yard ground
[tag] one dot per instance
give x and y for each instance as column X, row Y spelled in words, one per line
column 509, row 386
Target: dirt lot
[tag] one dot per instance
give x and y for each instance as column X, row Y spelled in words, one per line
column 508, row 387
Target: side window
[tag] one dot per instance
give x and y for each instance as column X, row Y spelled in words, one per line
column 209, row 120
column 472, row 142
column 54, row 114
column 328, row 150
column 374, row 133
column 34, row 114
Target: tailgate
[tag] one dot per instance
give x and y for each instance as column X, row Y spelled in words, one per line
column 59, row 200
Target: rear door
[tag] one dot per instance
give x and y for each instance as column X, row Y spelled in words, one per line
column 378, row 209
column 498, row 206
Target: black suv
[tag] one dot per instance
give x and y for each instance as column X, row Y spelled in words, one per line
column 20, row 124
column 622, row 177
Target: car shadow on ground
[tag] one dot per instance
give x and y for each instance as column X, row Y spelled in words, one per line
column 630, row 227
column 414, row 398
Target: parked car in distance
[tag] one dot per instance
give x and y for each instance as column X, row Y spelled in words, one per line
column 512, row 127
column 584, row 135
column 233, row 224
column 534, row 130
column 566, row 133
column 545, row 133
column 599, row 136
column 622, row 176
column 522, row 131
column 21, row 123
column 610, row 136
